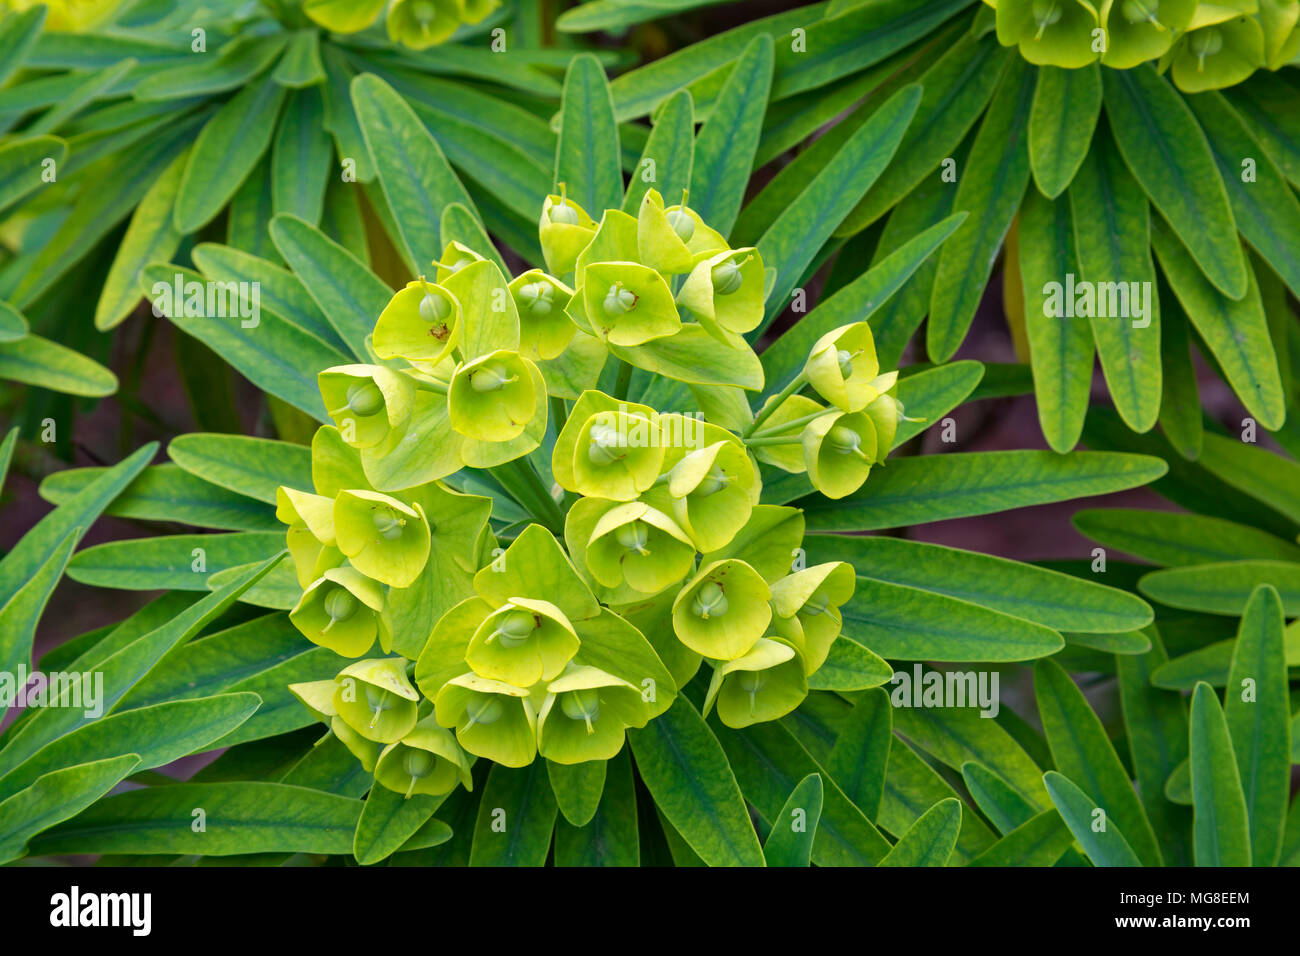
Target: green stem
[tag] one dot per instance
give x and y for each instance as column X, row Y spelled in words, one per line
column 794, row 423
column 774, row 440
column 791, row 388
column 559, row 413
column 521, row 480
column 624, row 381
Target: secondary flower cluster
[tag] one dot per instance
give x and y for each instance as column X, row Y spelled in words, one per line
column 644, row 553
column 1205, row 45
column 418, row 24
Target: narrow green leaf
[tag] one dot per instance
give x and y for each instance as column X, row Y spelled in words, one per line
column 182, row 561
column 931, row 839
column 18, row 34
column 1180, row 403
column 848, row 667
column 1039, row 841
column 238, row 818
column 1223, row 588
column 728, row 140
column 577, row 788
column 516, row 815
column 226, row 151
column 587, row 154
column 911, row 787
column 388, row 820
column 610, row 837
column 668, row 157
column 47, row 364
column 301, row 158
column 1259, row 473
column 1221, row 828
column 416, row 178
column 1112, row 237
column 22, row 165
column 1164, row 147
column 22, row 612
column 934, row 487
column 55, row 797
column 1083, row 752
column 1102, row 841
column 1175, row 539
column 686, row 772
column 255, row 467
column 1258, row 713
column 301, row 64
column 238, row 63
column 997, row 799
column 1061, row 124
column 1060, row 346
column 860, row 756
column 791, row 841
column 990, row 189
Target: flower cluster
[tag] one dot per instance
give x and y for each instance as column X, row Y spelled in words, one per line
column 418, row 24
column 1205, row 45
column 643, row 554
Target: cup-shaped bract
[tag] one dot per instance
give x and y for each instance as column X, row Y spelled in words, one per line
column 375, row 698
column 640, row 545
column 765, row 684
column 842, row 367
column 586, row 714
column 536, row 566
column 492, row 719
column 1213, row 57
column 522, row 642
column 421, row 323
column 310, row 519
column 885, row 414
column 725, row 294
column 565, row 230
column 364, row 749
column 1050, row 32
column 494, row 397
column 838, row 452
column 427, row 760
column 711, row 491
column 382, row 537
column 626, row 303
column 370, row 404
column 545, row 328
column 722, row 611
column 421, row 24
column 1141, row 30
column 608, row 449
column 672, row 239
column 806, row 606
column 345, row 611
column 455, row 256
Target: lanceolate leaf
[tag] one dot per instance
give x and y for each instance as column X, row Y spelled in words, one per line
column 301, row 158
column 388, row 820
column 1175, row 539
column 1105, row 847
column 238, row 818
column 587, row 156
column 610, row 837
column 724, row 150
column 1083, row 752
column 1261, row 474
column 57, row 796
column 182, row 561
column 858, row 760
column 1039, row 841
column 1258, row 712
column 934, row 487
column 577, row 788
column 1224, row 588
column 686, row 772
column 417, row 180
column 515, row 817
column 1062, row 124
column 1167, row 152
column 1060, row 344
column 1111, row 218
column 791, row 841
column 47, row 364
column 989, row 189
column 794, row 239
column 668, row 157
column 22, row 612
column 1050, row 598
column 931, row 839
column 255, row 467
column 1222, row 829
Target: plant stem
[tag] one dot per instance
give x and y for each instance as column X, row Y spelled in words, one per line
column 794, row 423
column 521, row 480
column 559, row 413
column 792, row 387
column 623, row 382
column 773, row 440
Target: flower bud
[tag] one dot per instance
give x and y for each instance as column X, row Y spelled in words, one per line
column 608, row 449
column 1217, row 56
column 1049, row 32
column 492, row 719
column 711, row 491
column 723, row 610
column 344, row 611
column 382, row 537
column 765, row 684
column 1141, row 30
column 376, row 700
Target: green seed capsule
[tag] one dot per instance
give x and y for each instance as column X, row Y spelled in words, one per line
column 618, row 300
column 633, row 536
column 846, row 362
column 1140, row 11
column 1046, row 13
column 843, row 440
column 388, row 524
column 491, row 377
column 460, row 263
column 365, row 398
column 486, row 709
column 418, row 763
column 727, row 278
column 514, row 628
column 564, row 214
column 340, row 605
column 682, row 224
column 605, row 446
column 434, row 308
column 1205, row 43
column 710, row 601
column 537, row 296
column 379, row 700
column 581, row 705
column 712, row 483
